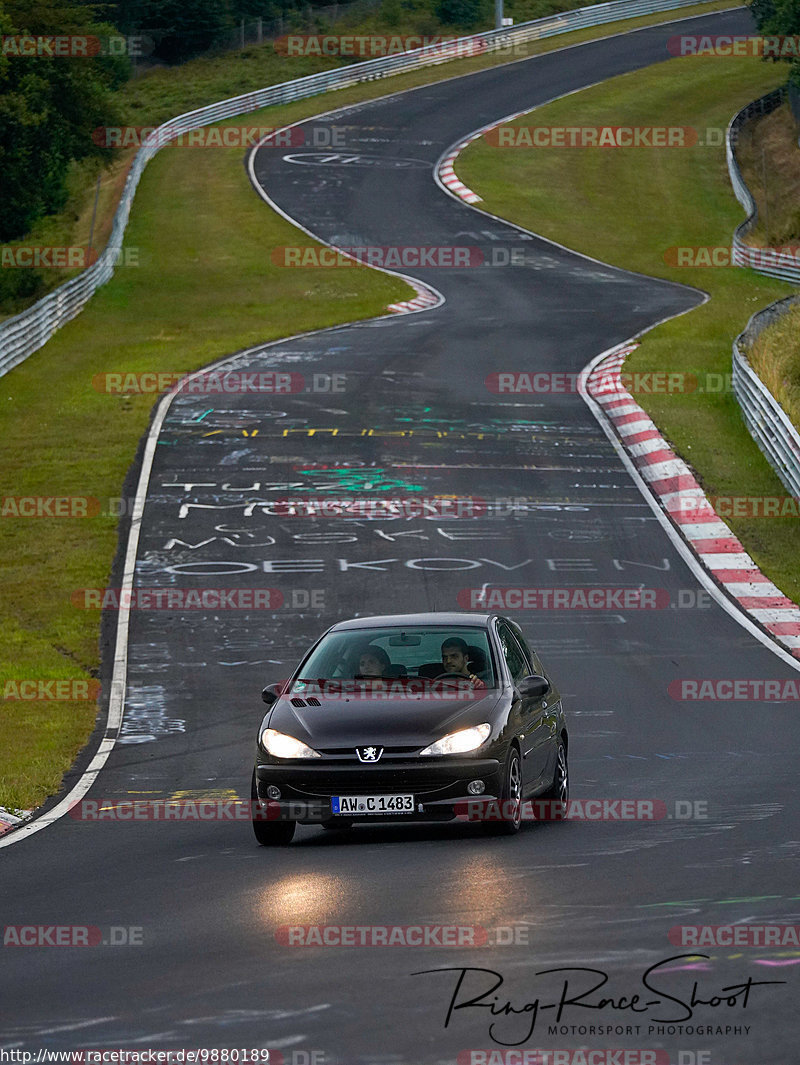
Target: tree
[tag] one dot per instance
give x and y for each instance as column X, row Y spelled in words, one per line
column 49, row 106
column 779, row 18
column 179, row 28
column 465, row 14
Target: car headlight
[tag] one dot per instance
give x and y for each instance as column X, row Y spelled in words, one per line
column 280, row 745
column 466, row 739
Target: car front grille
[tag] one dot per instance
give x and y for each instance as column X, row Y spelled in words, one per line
column 348, row 754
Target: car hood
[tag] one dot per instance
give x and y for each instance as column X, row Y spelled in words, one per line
column 408, row 722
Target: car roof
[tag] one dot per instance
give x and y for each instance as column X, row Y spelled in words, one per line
column 382, row 621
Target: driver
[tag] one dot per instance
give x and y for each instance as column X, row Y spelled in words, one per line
column 455, row 660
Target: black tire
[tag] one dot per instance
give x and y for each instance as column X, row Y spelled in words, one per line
column 510, row 798
column 269, row 833
column 558, row 792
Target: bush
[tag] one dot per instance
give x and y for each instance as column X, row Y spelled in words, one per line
column 466, row 14
column 49, row 106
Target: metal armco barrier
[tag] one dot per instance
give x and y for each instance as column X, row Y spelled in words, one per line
column 23, row 334
column 764, row 260
column 794, row 101
column 767, row 421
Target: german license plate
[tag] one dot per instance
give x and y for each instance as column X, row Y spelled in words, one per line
column 372, row 804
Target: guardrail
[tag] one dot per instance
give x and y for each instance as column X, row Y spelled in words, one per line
column 767, row 421
column 794, row 101
column 26, row 332
column 767, row 261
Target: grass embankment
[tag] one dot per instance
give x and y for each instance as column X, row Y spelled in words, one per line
column 206, row 287
column 768, row 149
column 769, row 159
column 775, row 356
column 627, row 206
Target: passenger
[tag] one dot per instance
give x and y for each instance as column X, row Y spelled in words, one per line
column 455, row 659
column 373, row 662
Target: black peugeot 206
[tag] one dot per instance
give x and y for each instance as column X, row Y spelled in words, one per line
column 410, row 717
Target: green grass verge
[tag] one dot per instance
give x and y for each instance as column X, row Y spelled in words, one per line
column 775, row 356
column 206, row 287
column 627, row 206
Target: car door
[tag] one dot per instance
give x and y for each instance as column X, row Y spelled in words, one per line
column 534, row 732
column 551, row 715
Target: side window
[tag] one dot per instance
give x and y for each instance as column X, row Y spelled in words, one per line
column 530, row 658
column 517, row 666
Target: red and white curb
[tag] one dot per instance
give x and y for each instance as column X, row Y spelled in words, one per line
column 447, row 174
column 426, row 298
column 9, row 820
column 675, row 486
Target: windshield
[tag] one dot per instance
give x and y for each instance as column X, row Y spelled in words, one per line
column 425, row 652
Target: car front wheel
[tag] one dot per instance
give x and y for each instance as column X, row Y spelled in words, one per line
column 558, row 792
column 510, row 818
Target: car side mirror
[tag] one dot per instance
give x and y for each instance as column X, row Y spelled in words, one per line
column 272, row 693
column 533, row 686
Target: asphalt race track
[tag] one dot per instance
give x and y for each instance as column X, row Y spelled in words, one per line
column 413, row 418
